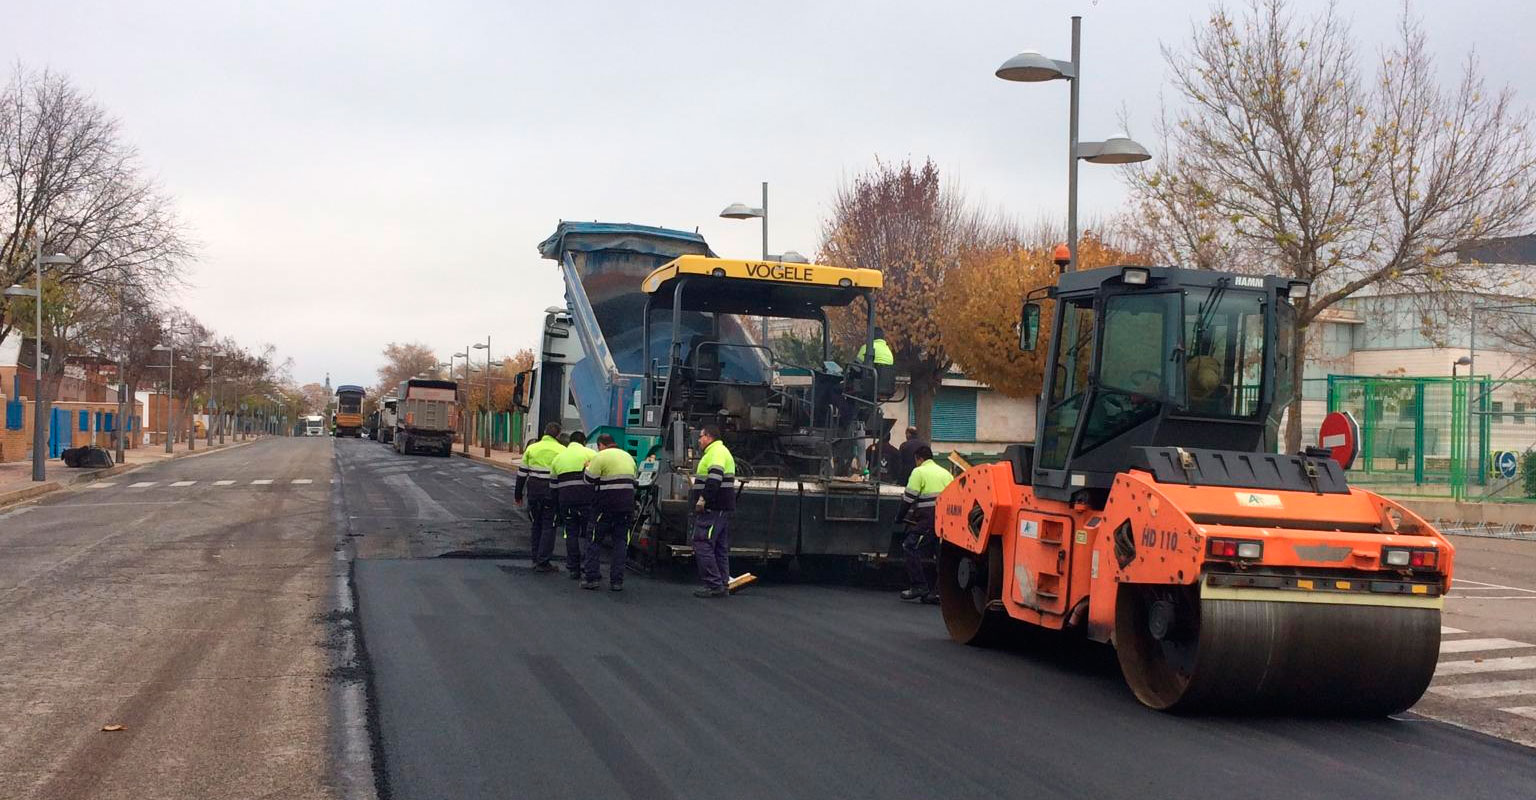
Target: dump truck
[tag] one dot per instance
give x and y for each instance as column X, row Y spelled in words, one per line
column 652, row 343
column 426, row 414
column 348, row 420
column 387, row 419
column 1153, row 512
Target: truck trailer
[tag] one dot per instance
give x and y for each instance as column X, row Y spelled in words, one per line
column 426, row 413
column 349, row 411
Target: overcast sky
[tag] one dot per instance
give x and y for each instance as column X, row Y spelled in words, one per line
column 361, row 172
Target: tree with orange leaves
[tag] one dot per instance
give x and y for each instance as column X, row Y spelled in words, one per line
column 982, row 297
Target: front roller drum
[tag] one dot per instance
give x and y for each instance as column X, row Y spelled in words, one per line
column 1181, row 653
column 970, row 591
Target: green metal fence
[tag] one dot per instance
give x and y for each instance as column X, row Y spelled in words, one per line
column 1459, row 437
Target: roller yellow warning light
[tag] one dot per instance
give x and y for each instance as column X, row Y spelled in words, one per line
column 1153, row 513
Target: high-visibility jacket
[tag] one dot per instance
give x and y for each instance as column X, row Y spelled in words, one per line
column 613, row 475
column 570, row 471
column 883, row 353
column 715, row 478
column 533, row 474
column 921, row 498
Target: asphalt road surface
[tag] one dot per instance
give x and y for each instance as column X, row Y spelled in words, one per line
column 492, row 681
column 182, row 601
column 203, row 604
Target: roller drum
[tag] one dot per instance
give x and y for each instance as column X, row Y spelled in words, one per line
column 1182, row 653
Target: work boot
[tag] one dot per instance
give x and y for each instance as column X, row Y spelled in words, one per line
column 573, row 574
column 545, row 568
column 615, row 587
column 709, row 592
column 913, row 594
column 591, row 585
column 931, row 599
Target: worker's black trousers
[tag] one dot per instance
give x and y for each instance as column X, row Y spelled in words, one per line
column 573, row 526
column 920, row 546
column 612, row 526
column 541, row 541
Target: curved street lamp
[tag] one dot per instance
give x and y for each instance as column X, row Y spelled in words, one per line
column 1032, row 67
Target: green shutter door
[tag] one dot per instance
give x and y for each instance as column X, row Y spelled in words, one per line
column 954, row 414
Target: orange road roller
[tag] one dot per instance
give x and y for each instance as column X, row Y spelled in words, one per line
column 1153, row 512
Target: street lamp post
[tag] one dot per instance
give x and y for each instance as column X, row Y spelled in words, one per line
column 744, row 211
column 39, row 429
column 485, row 435
column 1032, row 67
column 464, row 445
column 170, row 392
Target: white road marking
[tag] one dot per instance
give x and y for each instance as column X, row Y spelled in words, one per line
column 1446, row 629
column 142, row 484
column 223, row 483
column 179, row 484
column 261, row 482
column 1524, row 711
column 106, row 485
column 1474, row 645
column 301, row 480
column 1472, row 691
column 1460, row 581
column 1490, row 597
column 1506, row 664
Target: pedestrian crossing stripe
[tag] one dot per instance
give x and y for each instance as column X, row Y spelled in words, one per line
column 179, row 484
column 261, row 482
column 1475, row 645
column 106, row 485
column 1528, row 712
column 1506, row 664
column 223, row 483
column 302, row 480
column 1474, row 691
column 142, row 484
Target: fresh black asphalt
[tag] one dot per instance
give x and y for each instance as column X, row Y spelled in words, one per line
column 493, row 681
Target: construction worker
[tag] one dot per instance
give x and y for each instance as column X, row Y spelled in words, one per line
column 533, row 479
column 573, row 498
column 918, row 505
column 613, row 475
column 714, row 498
column 906, row 456
column 883, row 355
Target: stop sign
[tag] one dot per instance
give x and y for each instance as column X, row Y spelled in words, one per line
column 1340, row 436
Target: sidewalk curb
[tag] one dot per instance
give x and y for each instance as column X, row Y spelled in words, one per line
column 53, row 485
column 22, row 495
column 501, row 465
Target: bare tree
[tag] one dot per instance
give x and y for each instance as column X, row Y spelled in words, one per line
column 1287, row 160
column 402, row 362
column 69, row 183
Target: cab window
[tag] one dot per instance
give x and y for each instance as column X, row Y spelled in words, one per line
column 1224, row 361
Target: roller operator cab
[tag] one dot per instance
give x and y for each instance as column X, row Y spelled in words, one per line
column 1154, row 512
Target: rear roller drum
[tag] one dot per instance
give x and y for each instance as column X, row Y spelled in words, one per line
column 1181, row 653
column 969, row 584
